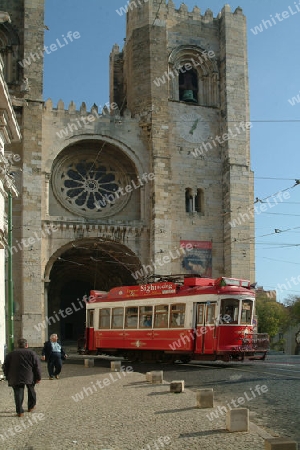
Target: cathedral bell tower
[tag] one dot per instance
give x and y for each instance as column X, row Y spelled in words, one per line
column 185, row 75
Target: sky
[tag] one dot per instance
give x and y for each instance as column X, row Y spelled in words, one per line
column 79, row 72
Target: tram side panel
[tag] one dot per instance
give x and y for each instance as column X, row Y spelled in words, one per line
column 198, row 325
column 122, row 326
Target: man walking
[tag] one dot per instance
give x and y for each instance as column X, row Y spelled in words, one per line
column 22, row 367
column 53, row 353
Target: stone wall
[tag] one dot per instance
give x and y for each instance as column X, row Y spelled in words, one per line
column 151, row 130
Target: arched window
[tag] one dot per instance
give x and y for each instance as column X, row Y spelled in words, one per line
column 189, row 200
column 199, row 201
column 188, row 86
column 194, row 203
column 193, row 76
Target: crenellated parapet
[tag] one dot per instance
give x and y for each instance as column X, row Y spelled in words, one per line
column 63, row 127
column 195, row 14
column 108, row 112
column 159, row 13
column 169, row 11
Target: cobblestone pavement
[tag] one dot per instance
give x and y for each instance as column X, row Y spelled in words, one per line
column 277, row 410
column 94, row 408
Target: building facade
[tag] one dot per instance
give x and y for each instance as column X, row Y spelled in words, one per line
column 158, row 182
column 9, row 132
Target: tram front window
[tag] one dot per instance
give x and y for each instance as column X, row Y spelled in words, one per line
column 247, row 306
column 229, row 310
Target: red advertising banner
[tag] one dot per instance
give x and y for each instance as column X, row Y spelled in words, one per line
column 143, row 290
column 198, row 259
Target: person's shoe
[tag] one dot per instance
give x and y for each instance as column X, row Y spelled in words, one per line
column 57, row 377
column 32, row 409
column 50, row 378
column 20, row 414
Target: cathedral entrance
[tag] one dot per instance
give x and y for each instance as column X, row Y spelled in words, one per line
column 78, row 268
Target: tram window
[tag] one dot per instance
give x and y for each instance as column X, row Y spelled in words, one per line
column 210, row 313
column 117, row 318
column 161, row 316
column 200, row 314
column 90, row 319
column 177, row 315
column 246, row 311
column 131, row 317
column 145, row 316
column 104, row 318
column 229, row 310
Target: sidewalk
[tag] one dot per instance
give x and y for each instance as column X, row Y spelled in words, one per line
column 94, row 408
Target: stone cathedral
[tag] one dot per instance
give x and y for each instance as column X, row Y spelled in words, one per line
column 157, row 182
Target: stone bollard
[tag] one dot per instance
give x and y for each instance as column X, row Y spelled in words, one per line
column 280, row 444
column 205, row 398
column 237, row 420
column 149, row 377
column 89, row 362
column 157, row 377
column 177, row 386
column 115, row 366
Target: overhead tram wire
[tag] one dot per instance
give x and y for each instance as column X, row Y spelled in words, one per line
column 285, row 203
column 280, row 260
column 250, row 121
column 273, row 178
column 280, row 214
column 258, row 200
column 279, row 246
column 276, row 231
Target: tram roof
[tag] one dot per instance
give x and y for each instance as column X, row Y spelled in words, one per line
column 189, row 286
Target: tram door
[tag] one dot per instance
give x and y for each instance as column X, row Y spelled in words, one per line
column 90, row 338
column 206, row 328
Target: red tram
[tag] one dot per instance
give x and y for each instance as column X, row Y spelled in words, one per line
column 194, row 318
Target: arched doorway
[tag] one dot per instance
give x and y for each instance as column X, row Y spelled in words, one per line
column 81, row 266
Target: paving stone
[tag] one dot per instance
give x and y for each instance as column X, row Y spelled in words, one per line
column 97, row 409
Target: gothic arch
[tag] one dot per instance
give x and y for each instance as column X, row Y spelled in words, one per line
column 205, row 68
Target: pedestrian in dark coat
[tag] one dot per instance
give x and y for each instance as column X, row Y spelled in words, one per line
column 22, row 368
column 53, row 353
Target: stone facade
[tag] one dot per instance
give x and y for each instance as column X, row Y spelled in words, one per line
column 9, row 132
column 108, row 193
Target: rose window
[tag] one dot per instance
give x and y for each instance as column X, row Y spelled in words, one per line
column 90, row 188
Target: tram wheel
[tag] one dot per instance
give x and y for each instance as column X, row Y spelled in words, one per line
column 185, row 359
